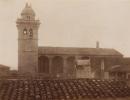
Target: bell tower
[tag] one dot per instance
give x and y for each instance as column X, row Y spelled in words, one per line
column 27, row 27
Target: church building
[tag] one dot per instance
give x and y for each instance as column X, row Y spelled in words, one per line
column 59, row 62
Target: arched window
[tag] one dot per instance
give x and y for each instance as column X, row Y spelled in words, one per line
column 57, row 63
column 25, row 31
column 30, row 33
column 43, row 64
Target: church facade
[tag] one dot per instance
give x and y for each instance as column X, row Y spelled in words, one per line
column 65, row 62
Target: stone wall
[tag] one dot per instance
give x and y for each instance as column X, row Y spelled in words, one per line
column 65, row 65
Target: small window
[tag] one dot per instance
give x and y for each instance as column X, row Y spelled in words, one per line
column 30, row 33
column 25, row 31
column 28, row 17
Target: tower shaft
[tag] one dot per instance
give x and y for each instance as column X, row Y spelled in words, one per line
column 27, row 27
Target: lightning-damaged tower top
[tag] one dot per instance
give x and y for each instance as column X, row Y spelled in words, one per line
column 27, row 41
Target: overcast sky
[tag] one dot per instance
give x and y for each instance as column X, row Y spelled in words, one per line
column 77, row 23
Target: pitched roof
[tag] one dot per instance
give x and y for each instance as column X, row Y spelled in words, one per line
column 79, row 51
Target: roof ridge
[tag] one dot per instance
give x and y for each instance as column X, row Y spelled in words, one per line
column 79, row 50
column 73, row 47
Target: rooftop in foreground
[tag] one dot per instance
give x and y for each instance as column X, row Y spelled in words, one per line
column 69, row 89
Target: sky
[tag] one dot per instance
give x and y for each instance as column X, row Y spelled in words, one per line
column 68, row 23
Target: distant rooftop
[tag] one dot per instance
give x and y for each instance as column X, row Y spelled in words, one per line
column 120, row 68
column 3, row 66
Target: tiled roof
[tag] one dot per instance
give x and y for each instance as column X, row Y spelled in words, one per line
column 69, row 89
column 79, row 51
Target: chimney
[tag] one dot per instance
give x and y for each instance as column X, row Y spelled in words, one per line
column 97, row 44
